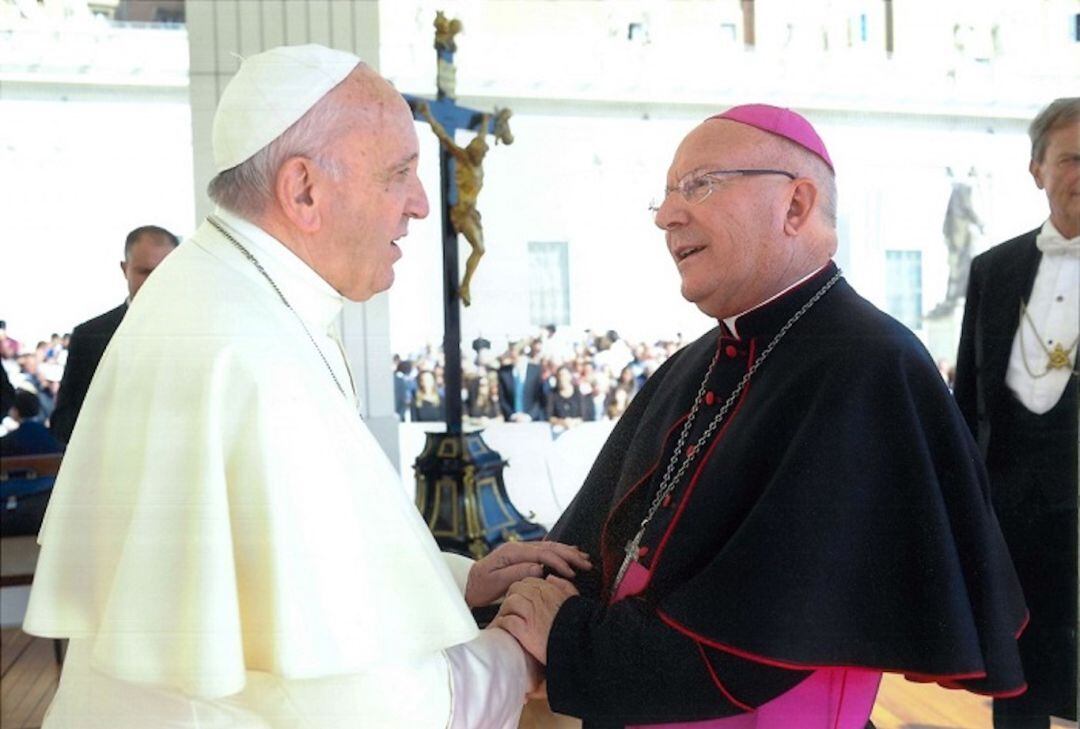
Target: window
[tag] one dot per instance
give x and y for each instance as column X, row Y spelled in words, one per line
column 903, row 287
column 549, row 283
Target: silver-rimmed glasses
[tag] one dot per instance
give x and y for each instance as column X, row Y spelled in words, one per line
column 696, row 186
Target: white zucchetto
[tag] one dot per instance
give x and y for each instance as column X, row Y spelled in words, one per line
column 270, row 93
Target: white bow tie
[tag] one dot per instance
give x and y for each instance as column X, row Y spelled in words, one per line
column 1053, row 242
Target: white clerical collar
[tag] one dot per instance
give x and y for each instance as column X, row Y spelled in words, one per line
column 731, row 320
column 313, row 299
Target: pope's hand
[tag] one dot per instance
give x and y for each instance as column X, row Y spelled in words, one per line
column 490, row 577
column 529, row 609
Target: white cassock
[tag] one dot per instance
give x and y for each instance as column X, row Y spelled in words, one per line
column 228, row 546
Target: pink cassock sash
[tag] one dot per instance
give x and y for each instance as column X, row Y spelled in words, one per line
column 830, row 698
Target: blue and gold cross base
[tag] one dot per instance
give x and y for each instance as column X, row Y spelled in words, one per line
column 462, row 496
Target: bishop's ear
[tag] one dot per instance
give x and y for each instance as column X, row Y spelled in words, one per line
column 295, row 192
column 804, row 195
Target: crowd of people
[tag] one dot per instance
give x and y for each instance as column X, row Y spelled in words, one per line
column 583, row 377
column 554, row 376
column 36, row 371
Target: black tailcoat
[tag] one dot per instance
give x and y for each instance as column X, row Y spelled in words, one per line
column 87, row 345
column 1032, row 465
column 839, row 517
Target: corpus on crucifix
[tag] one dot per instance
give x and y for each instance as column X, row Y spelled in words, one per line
column 468, row 179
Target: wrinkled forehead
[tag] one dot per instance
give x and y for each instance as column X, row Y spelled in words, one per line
column 722, row 144
column 378, row 117
column 366, row 92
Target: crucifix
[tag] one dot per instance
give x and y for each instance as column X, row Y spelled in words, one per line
column 459, row 483
column 461, row 176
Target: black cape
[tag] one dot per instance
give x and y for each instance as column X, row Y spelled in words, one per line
column 839, row 517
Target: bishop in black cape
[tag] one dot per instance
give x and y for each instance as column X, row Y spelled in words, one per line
column 838, row 518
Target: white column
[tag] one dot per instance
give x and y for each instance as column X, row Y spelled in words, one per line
column 220, row 31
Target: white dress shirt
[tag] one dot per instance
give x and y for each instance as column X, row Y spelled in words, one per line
column 1054, row 308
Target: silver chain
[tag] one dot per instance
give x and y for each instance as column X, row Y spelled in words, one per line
column 255, row 261
column 669, row 482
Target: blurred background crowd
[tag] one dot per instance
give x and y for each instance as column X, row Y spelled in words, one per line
column 556, row 375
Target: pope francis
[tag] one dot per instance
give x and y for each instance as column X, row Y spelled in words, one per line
column 226, row 545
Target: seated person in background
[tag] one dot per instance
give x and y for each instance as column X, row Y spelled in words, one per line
column 33, row 374
column 628, row 381
column 484, row 396
column 404, row 387
column 566, row 407
column 617, row 400
column 31, row 438
column 427, row 405
column 595, row 389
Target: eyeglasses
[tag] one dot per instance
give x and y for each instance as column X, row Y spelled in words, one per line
column 697, row 186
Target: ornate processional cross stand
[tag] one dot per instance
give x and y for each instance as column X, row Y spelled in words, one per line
column 459, row 483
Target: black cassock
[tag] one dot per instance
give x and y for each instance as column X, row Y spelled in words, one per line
column 839, row 517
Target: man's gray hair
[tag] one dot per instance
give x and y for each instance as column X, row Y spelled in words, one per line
column 826, row 180
column 814, row 167
column 1059, row 113
column 248, row 188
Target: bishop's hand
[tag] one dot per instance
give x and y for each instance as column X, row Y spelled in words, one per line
column 491, row 576
column 529, row 610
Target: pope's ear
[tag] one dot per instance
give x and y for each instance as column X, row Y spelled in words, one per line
column 294, row 190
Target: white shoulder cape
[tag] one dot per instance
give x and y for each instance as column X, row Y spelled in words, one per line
column 221, row 508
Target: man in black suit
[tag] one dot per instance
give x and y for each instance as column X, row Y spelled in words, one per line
column 1016, row 384
column 144, row 248
column 521, row 391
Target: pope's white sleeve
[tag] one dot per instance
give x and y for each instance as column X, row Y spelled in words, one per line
column 489, row 678
column 459, row 568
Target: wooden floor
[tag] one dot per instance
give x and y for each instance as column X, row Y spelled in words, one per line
column 902, row 704
column 29, row 675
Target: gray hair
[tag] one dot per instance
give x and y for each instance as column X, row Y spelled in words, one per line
column 812, row 166
column 248, row 188
column 1060, row 112
column 822, row 174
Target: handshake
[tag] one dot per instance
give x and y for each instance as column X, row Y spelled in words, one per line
column 513, row 571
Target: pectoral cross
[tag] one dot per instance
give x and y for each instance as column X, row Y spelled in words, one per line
column 631, row 552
